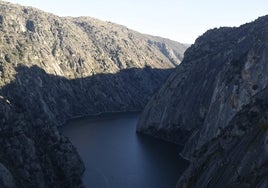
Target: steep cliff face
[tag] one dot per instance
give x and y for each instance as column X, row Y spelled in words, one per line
column 206, row 94
column 58, row 99
column 55, row 68
column 238, row 156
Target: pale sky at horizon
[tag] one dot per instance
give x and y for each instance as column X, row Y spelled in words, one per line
column 180, row 20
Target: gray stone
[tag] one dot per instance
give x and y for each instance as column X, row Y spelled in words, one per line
column 215, row 104
column 6, row 178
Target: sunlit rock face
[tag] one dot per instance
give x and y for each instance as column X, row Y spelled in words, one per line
column 208, row 106
column 56, row 68
column 79, row 47
column 81, row 65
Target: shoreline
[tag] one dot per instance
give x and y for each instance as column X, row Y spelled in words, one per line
column 99, row 116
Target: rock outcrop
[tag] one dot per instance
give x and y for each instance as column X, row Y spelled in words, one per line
column 208, row 106
column 56, row 68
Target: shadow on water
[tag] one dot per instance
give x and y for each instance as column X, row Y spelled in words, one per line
column 167, row 165
column 117, row 157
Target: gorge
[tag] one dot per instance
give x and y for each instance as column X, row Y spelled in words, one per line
column 55, row 68
column 211, row 100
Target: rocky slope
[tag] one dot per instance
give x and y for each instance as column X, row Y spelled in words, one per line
column 214, row 104
column 55, row 68
column 81, row 49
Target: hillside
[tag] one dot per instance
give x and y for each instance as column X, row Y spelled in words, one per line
column 77, row 48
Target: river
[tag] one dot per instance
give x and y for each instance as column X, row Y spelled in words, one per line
column 115, row 156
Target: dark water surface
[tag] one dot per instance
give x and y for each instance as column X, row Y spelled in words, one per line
column 116, row 156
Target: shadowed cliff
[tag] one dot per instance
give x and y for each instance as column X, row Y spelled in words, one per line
column 57, row 98
column 33, row 153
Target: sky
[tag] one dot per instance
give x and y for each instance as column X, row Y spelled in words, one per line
column 180, row 20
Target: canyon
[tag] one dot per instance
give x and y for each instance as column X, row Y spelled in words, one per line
column 210, row 98
column 54, row 69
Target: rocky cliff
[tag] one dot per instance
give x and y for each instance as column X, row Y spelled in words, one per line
column 215, row 105
column 79, row 49
column 56, row 68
